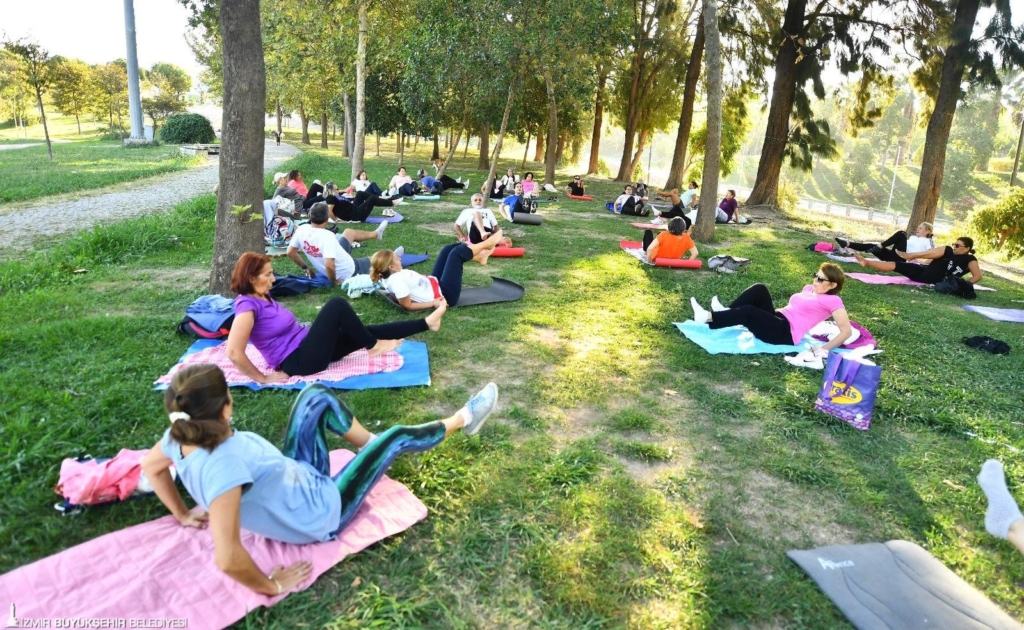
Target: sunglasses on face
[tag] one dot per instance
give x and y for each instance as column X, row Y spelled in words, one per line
column 818, row 278
column 959, row 245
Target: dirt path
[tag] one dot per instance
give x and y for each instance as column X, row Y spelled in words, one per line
column 26, row 224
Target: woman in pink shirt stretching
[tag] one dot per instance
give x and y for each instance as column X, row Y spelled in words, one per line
column 786, row 326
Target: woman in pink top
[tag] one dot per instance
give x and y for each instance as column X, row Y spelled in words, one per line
column 786, row 326
column 529, row 186
column 295, row 181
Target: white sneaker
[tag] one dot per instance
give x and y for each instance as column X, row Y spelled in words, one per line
column 465, row 184
column 478, row 408
column 806, row 359
column 458, row 180
column 398, row 202
column 717, row 306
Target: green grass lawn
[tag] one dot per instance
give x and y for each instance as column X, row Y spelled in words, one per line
column 628, row 479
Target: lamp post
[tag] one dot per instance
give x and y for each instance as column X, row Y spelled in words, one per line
column 134, row 98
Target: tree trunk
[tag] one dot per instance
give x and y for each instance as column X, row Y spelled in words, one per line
column 399, row 139
column 42, row 114
column 1016, row 157
column 677, row 172
column 550, row 160
column 640, row 146
column 937, row 135
column 305, row 123
column 563, row 138
column 595, row 139
column 485, row 141
column 704, row 230
column 280, row 115
column 402, row 141
column 538, row 154
column 378, row 144
column 526, row 149
column 465, row 151
column 453, row 146
column 241, row 152
column 408, row 141
column 323, row 129
column 359, row 136
column 766, row 186
column 334, row 132
column 489, row 184
column 632, row 116
column 575, row 147
column 78, row 121
column 437, row 149
column 350, row 128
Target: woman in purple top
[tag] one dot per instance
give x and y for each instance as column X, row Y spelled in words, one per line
column 294, row 350
column 788, row 325
column 727, row 209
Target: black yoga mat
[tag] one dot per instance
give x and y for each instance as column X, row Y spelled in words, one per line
column 527, row 219
column 500, row 290
column 898, row 585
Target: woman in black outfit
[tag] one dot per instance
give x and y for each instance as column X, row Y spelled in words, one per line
column 359, row 208
column 954, row 261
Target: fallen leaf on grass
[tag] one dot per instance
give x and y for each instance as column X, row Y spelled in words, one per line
column 952, row 485
column 671, row 392
column 356, row 582
column 80, row 271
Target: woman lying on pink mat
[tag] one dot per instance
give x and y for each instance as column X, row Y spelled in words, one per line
column 240, row 480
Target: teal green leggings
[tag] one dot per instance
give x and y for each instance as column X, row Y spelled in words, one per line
column 316, row 411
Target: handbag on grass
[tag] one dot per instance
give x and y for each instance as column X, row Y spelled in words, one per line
column 848, row 390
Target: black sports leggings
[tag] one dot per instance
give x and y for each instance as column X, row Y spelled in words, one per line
column 448, row 182
column 928, row 274
column 336, row 332
column 358, row 209
column 886, row 250
column 754, row 309
column 448, row 270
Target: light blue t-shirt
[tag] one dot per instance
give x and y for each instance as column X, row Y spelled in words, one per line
column 687, row 197
column 282, row 499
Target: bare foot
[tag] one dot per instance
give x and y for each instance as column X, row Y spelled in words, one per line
column 903, row 255
column 860, row 259
column 384, row 345
column 434, row 319
column 483, row 256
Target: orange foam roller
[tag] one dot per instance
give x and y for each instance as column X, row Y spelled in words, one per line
column 508, row 252
column 581, row 197
column 691, row 263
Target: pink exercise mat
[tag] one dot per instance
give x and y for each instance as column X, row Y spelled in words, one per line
column 160, row 570
column 874, row 278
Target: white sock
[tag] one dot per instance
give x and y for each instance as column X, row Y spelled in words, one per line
column 380, row 230
column 399, row 251
column 717, row 306
column 373, row 436
column 1002, row 509
column 700, row 315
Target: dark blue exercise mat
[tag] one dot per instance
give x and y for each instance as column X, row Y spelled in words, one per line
column 395, row 219
column 500, row 290
column 898, row 585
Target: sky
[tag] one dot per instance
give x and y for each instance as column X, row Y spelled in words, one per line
column 93, row 30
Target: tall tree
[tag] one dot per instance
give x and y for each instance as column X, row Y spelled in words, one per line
column 110, row 86
column 359, row 137
column 677, row 172
column 71, row 88
column 168, row 84
column 595, row 141
column 963, row 53
column 241, row 157
column 38, row 74
column 704, row 229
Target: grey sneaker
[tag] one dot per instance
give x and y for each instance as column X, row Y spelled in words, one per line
column 479, row 407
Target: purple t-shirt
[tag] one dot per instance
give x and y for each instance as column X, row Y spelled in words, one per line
column 807, row 309
column 728, row 206
column 275, row 332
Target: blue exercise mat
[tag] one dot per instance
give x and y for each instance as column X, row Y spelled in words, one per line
column 426, row 197
column 734, row 340
column 415, row 370
column 398, row 218
column 413, row 259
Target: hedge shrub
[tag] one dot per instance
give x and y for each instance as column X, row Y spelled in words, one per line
column 187, row 129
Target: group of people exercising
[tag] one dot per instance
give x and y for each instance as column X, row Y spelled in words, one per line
column 240, row 480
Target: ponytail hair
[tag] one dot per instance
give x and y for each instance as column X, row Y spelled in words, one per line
column 195, row 402
column 380, row 264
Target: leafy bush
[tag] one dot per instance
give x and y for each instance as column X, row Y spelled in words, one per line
column 959, row 208
column 869, row 197
column 1000, row 226
column 187, row 129
column 1001, row 165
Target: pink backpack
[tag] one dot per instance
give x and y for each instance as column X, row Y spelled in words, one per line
column 824, row 247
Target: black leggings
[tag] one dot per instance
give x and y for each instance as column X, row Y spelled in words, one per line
column 634, row 208
column 754, row 309
column 498, row 192
column 448, row 182
column 928, row 274
column 358, row 209
column 476, row 236
column 448, row 270
column 886, row 250
column 648, row 238
column 337, row 332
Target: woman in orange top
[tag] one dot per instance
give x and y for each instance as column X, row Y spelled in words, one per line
column 670, row 244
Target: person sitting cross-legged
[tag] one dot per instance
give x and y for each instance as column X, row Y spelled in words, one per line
column 240, row 480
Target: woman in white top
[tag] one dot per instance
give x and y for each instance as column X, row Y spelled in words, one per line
column 921, row 241
column 401, row 184
column 362, row 183
column 416, row 292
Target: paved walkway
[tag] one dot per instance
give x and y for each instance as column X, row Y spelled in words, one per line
column 27, row 223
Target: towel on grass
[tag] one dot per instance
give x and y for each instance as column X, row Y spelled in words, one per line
column 356, row 364
column 160, row 570
column 875, row 278
column 998, row 314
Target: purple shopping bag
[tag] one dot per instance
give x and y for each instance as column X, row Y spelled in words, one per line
column 848, row 390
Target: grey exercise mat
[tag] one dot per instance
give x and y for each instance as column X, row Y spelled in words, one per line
column 500, row 290
column 898, row 585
